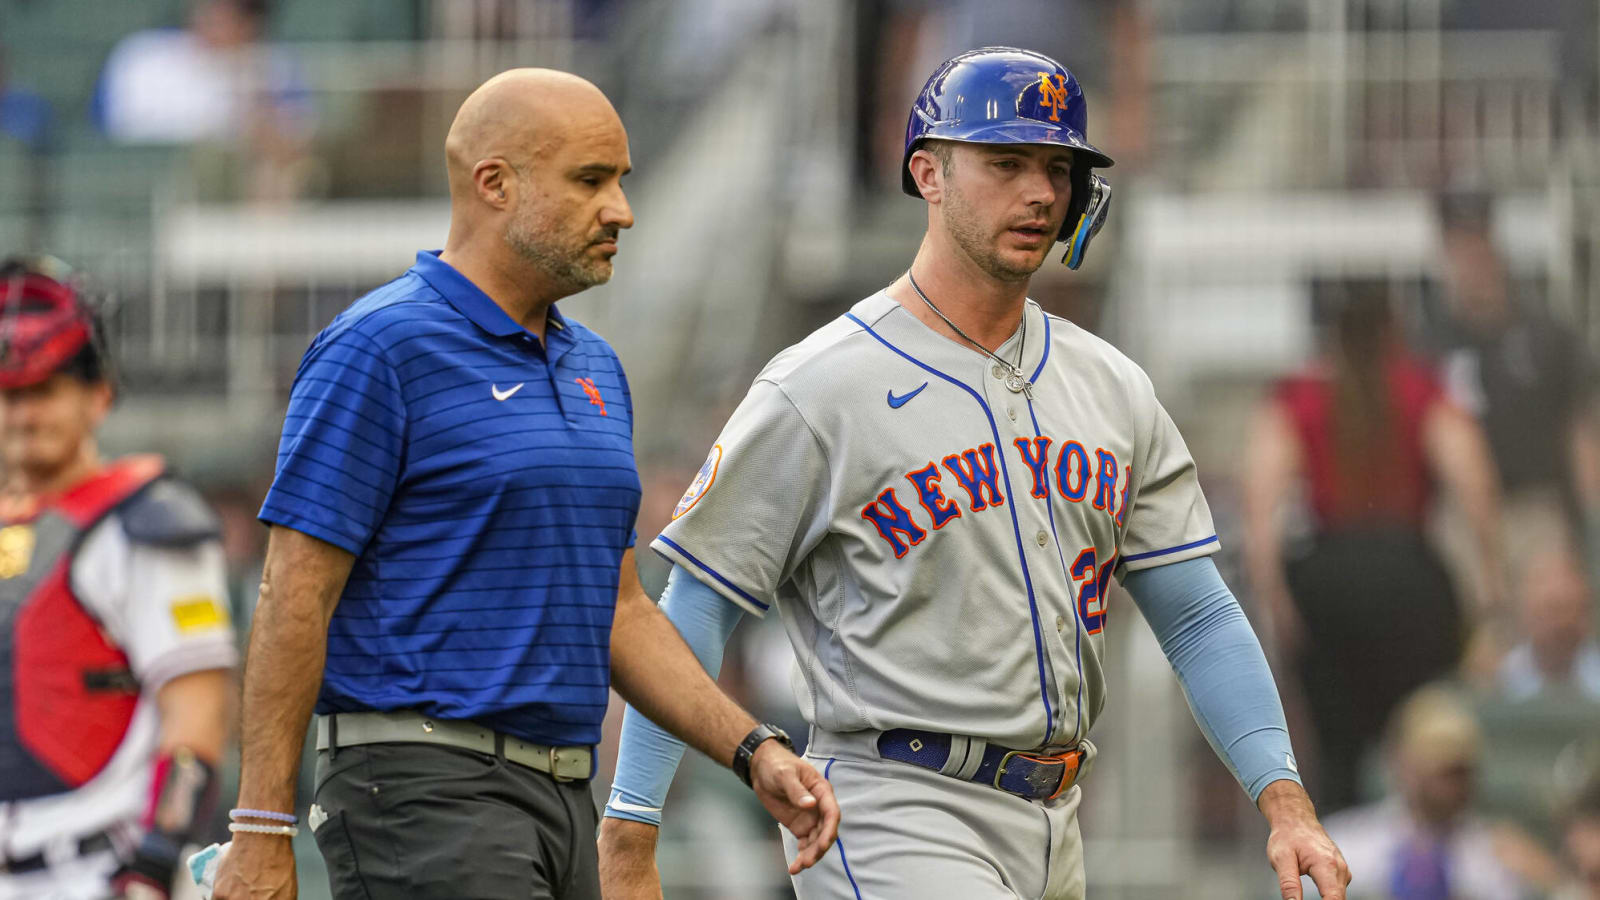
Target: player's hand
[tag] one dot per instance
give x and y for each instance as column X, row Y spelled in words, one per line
column 257, row 867
column 628, row 860
column 797, row 796
column 1299, row 846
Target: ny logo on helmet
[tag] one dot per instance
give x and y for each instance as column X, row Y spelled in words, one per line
column 1053, row 96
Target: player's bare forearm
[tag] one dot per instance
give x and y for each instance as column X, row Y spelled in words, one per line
column 300, row 586
column 653, row 669
column 1285, row 802
column 1298, row 845
column 628, row 860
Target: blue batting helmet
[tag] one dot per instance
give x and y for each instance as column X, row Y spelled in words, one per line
column 1003, row 95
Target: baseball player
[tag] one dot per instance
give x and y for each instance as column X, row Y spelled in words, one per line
column 935, row 490
column 117, row 644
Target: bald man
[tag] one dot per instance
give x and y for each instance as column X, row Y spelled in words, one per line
column 450, row 575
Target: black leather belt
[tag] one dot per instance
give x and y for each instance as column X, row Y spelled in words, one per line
column 1021, row 772
column 94, row 843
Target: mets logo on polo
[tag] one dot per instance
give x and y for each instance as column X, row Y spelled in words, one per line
column 1053, row 94
column 593, row 393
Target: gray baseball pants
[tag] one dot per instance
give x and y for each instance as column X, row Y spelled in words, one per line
column 906, row 831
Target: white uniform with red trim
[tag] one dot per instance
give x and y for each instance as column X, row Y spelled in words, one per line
column 939, row 547
column 166, row 607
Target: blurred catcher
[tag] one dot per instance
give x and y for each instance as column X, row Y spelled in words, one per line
column 113, row 600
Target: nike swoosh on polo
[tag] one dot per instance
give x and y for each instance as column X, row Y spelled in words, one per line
column 620, row 805
column 903, row 399
column 502, row 395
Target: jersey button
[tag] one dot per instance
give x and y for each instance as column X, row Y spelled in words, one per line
column 1061, row 623
column 997, row 372
column 1011, row 413
column 1042, row 538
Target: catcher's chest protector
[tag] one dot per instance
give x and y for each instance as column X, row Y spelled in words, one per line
column 66, row 693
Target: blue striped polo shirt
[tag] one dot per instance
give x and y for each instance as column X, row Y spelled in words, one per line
column 486, row 483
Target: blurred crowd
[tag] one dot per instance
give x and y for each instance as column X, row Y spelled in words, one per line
column 1419, row 524
column 1419, row 531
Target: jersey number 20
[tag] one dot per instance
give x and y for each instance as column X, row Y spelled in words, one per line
column 1092, row 583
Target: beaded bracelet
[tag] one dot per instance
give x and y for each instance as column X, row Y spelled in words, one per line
column 285, row 830
column 237, row 814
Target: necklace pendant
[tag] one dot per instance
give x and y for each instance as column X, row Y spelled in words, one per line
column 1015, row 382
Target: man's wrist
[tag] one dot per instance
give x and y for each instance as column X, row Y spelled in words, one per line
column 744, row 755
column 1285, row 801
column 628, row 834
column 270, row 797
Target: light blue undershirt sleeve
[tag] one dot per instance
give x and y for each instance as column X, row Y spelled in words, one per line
column 1219, row 662
column 648, row 756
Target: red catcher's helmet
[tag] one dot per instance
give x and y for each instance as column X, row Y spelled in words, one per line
column 44, row 325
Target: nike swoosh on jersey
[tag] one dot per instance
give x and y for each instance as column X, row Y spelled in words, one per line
column 903, row 399
column 620, row 805
column 502, row 395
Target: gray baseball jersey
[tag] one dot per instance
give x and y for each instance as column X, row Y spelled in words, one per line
column 939, row 545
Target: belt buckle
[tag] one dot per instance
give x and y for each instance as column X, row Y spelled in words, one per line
column 1070, row 760
column 559, row 779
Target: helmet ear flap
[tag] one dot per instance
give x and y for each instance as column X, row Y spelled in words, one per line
column 1080, row 199
column 1091, row 204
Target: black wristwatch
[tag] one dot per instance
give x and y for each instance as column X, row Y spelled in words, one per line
column 747, row 748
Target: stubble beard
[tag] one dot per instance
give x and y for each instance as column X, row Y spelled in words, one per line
column 964, row 229
column 566, row 261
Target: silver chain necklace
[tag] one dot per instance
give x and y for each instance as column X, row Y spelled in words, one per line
column 1015, row 382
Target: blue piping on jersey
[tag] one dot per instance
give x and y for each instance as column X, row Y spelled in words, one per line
column 1044, row 358
column 1072, row 601
column 1016, row 526
column 1189, row 546
column 712, row 572
column 1077, row 631
column 839, row 842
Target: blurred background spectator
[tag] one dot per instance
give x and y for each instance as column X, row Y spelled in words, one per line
column 214, row 80
column 1527, row 378
column 1426, row 840
column 1265, row 149
column 1558, row 655
column 1362, row 610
